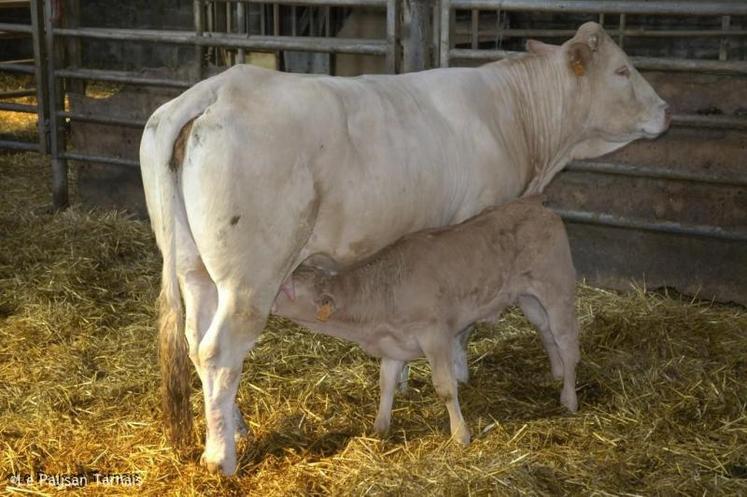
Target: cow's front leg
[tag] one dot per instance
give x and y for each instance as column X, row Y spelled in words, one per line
column 231, row 335
column 389, row 377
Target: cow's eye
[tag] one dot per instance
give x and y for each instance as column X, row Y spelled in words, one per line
column 623, row 71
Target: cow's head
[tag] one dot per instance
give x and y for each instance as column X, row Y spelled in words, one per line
column 622, row 106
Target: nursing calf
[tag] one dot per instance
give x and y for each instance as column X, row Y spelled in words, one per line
column 421, row 294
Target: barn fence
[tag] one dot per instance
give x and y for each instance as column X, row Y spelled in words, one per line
column 423, row 33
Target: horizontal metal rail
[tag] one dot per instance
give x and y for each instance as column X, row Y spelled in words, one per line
column 21, row 68
column 101, row 119
column 16, row 145
column 321, row 3
column 653, row 172
column 231, row 40
column 106, row 160
column 13, row 107
column 15, row 28
column 602, row 219
column 634, row 32
column 714, row 121
column 702, row 8
column 645, row 63
column 17, row 93
column 119, row 77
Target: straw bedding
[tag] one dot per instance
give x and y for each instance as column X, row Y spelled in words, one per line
column 662, row 387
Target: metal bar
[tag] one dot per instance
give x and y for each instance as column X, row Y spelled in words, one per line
column 56, row 96
column 646, row 63
column 13, row 107
column 271, row 43
column 723, row 52
column 621, row 31
column 15, row 28
column 119, row 77
column 16, row 145
column 321, row 3
column 392, row 19
column 475, row 28
column 436, row 41
column 700, row 8
column 241, row 28
column 93, row 118
column 629, row 32
column 294, row 21
column 17, row 93
column 653, row 172
column 40, row 75
column 199, row 24
column 107, row 160
column 22, row 68
column 656, row 226
column 718, row 121
column 445, row 48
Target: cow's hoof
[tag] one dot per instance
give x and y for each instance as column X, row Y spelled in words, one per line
column 569, row 400
column 381, row 426
column 217, row 467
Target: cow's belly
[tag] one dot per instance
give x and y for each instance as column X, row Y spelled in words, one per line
column 354, row 223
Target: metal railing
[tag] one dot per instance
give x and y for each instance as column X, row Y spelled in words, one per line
column 200, row 38
column 37, row 71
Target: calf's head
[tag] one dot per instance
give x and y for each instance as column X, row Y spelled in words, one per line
column 303, row 297
column 620, row 105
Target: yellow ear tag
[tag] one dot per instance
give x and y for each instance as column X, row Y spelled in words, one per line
column 578, row 67
column 324, row 312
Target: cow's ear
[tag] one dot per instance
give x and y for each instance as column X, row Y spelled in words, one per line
column 579, row 58
column 539, row 48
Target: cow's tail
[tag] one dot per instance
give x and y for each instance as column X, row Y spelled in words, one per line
column 164, row 200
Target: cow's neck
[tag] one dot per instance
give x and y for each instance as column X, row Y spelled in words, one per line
column 547, row 104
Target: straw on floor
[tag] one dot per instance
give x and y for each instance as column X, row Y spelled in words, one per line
column 662, row 386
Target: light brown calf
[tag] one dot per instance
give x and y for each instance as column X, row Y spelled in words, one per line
column 420, row 295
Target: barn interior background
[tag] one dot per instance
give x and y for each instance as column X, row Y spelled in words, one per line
column 662, row 389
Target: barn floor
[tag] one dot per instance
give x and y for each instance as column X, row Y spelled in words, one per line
column 662, row 387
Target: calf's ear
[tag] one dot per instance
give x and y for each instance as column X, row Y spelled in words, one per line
column 325, row 308
column 579, row 58
column 539, row 48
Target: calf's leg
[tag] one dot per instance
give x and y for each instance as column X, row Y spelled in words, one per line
column 439, row 353
column 536, row 314
column 461, row 367
column 561, row 314
column 389, row 376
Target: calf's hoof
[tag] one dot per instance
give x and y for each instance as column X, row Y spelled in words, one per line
column 216, row 466
column 461, row 435
column 241, row 428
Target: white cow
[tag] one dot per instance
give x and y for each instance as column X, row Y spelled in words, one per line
column 252, row 172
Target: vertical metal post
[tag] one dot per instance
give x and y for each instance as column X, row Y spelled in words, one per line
column 294, row 23
column 475, row 29
column 723, row 52
column 416, row 39
column 40, row 75
column 199, row 19
column 445, row 32
column 436, row 42
column 621, row 36
column 498, row 29
column 241, row 27
column 392, row 17
column 56, row 96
